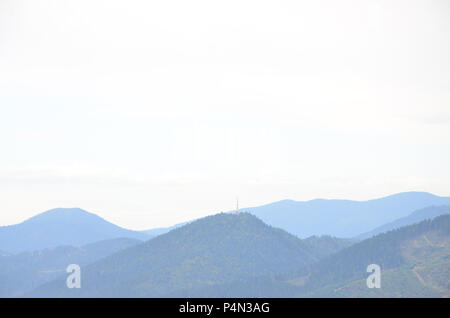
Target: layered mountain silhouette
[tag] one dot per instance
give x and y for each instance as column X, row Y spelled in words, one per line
column 207, row 252
column 23, row 272
column 238, row 255
column 342, row 218
column 74, row 227
column 415, row 262
column 415, row 217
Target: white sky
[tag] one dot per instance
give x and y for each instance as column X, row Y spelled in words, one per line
column 150, row 113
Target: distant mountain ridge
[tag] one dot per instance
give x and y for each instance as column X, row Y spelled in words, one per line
column 336, row 218
column 342, row 218
column 163, row 230
column 56, row 227
column 415, row 217
column 212, row 250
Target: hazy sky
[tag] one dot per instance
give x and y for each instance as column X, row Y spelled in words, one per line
column 150, row 113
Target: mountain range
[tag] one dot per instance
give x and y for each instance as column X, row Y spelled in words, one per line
column 210, row 251
column 414, row 261
column 235, row 255
column 337, row 218
column 342, row 218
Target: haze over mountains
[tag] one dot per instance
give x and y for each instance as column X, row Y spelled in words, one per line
column 162, row 230
column 338, row 218
column 74, row 227
column 233, row 255
column 22, row 272
column 415, row 217
column 210, row 251
column 228, row 255
column 342, row 218
column 415, row 262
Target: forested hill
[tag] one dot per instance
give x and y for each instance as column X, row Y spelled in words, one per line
column 25, row 271
column 213, row 250
column 415, row 262
column 390, row 250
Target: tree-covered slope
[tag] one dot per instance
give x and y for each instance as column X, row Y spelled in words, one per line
column 207, row 252
column 407, row 247
column 415, row 217
column 23, row 272
column 424, row 272
column 415, row 262
column 325, row 245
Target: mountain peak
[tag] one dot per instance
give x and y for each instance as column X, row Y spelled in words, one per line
column 62, row 211
column 409, row 194
column 222, row 226
column 61, row 226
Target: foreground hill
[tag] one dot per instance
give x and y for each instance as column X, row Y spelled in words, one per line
column 342, row 218
column 403, row 250
column 415, row 262
column 415, row 217
column 23, row 272
column 210, row 251
column 74, row 227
